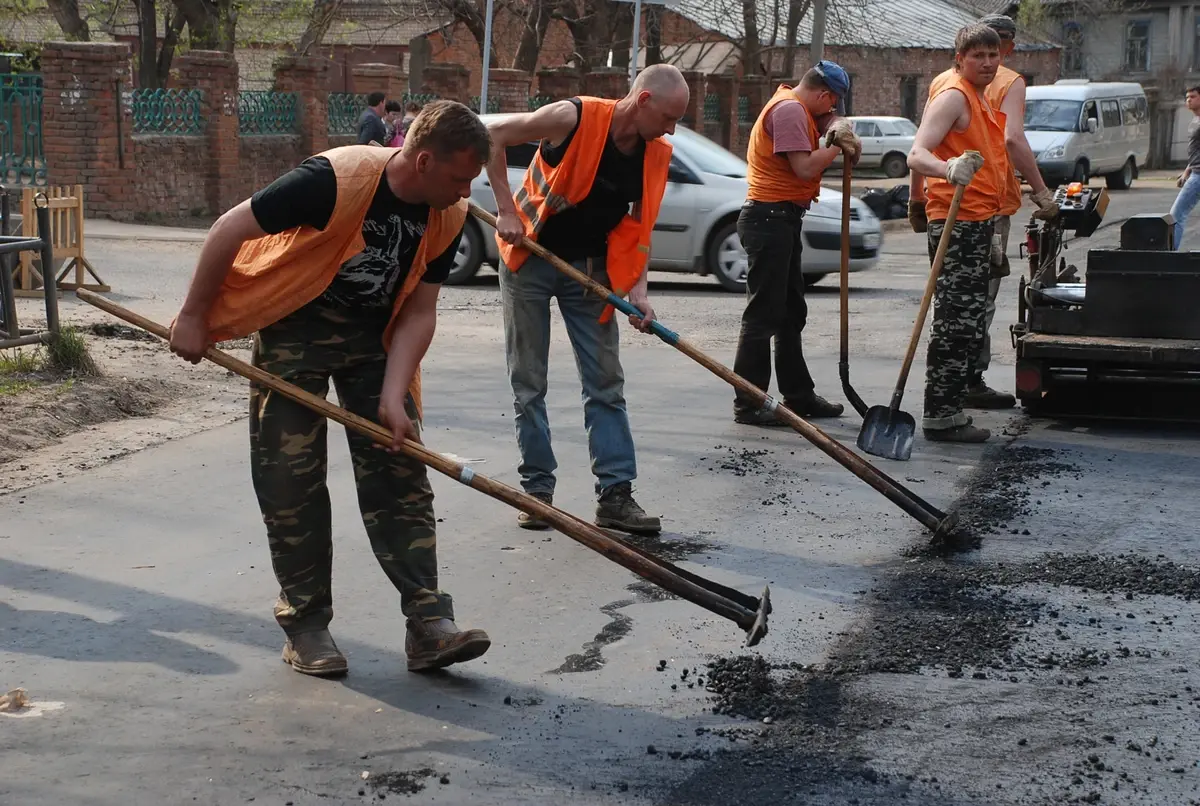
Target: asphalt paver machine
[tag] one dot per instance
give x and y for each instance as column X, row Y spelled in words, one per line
column 1123, row 339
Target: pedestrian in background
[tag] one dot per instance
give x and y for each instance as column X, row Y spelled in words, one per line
column 370, row 122
column 1189, row 181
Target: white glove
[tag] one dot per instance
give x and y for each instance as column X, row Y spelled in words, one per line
column 1047, row 209
column 961, row 170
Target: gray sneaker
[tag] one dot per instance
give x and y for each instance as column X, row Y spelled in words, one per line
column 616, row 509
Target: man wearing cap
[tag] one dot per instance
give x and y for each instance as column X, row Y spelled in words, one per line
column 1006, row 94
column 786, row 160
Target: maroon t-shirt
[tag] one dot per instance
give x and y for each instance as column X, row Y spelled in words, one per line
column 787, row 126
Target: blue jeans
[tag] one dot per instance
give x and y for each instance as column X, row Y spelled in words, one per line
column 526, row 297
column 1188, row 196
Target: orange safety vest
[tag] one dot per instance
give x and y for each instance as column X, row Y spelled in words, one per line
column 995, row 93
column 985, row 133
column 548, row 190
column 770, row 175
column 276, row 275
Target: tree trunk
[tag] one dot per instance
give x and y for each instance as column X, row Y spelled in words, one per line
column 319, row 20
column 751, row 43
column 537, row 20
column 796, row 11
column 620, row 41
column 66, row 13
column 227, row 17
column 147, row 75
column 175, row 23
column 202, row 24
column 653, row 35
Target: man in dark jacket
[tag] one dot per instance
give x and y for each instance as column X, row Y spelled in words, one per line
column 370, row 123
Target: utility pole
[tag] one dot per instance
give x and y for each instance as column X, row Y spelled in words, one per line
column 818, row 30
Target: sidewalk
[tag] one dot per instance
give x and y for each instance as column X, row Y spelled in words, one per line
column 103, row 229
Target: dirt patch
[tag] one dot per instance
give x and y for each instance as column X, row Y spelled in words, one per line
column 46, row 412
column 401, row 782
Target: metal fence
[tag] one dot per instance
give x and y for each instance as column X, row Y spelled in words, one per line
column 173, row 112
column 538, row 101
column 712, row 108
column 344, row 111
column 493, row 104
column 22, row 155
column 261, row 113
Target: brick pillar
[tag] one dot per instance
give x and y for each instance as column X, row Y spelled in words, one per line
column 376, row 77
column 308, row 77
column 510, row 88
column 694, row 117
column 560, row 82
column 449, row 81
column 215, row 74
column 749, row 100
column 86, row 124
column 606, row 82
column 724, row 86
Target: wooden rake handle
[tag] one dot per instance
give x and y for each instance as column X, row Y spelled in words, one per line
column 686, row 585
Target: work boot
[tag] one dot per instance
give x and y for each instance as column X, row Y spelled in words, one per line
column 617, row 510
column 814, row 406
column 439, row 643
column 760, row 417
column 960, row 433
column 527, row 521
column 982, row 396
column 314, row 653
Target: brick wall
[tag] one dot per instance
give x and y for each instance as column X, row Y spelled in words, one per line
column 263, row 159
column 168, row 181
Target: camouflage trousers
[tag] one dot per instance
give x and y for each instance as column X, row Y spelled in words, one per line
column 959, row 303
column 288, row 464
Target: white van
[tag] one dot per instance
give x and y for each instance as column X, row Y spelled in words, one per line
column 1078, row 128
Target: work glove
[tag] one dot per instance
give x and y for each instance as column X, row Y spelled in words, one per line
column 1047, row 210
column 841, row 135
column 961, row 170
column 917, row 217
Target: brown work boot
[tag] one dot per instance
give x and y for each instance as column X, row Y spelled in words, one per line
column 960, row 433
column 814, row 406
column 982, row 396
column 527, row 521
column 439, row 643
column 760, row 417
column 616, row 509
column 314, row 653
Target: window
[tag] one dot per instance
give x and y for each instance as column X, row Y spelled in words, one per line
column 1137, row 45
column 905, row 128
column 1029, row 78
column 1110, row 114
column 1049, row 115
column 866, row 128
column 1131, row 114
column 1089, row 113
column 908, row 97
column 1072, row 59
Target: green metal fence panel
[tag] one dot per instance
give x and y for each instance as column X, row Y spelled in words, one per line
column 345, row 108
column 268, row 113
column 743, row 110
column 22, row 157
column 712, row 108
column 175, row 112
column 421, row 98
column 538, row 101
column 493, row 104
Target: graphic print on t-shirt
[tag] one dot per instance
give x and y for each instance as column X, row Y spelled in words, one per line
column 371, row 276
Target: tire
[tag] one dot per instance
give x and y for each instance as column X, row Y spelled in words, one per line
column 895, row 166
column 725, row 258
column 812, row 279
column 469, row 257
column 1081, row 173
column 1122, row 179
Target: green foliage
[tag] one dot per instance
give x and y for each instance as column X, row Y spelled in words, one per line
column 20, row 361
column 67, row 354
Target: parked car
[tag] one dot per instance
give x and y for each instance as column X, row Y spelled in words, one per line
column 1079, row 129
column 696, row 231
column 886, row 142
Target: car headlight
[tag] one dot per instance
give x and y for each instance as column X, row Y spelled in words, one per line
column 1053, row 153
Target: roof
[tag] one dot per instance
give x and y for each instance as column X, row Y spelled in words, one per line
column 858, row 23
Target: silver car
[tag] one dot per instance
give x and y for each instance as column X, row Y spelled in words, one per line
column 696, row 231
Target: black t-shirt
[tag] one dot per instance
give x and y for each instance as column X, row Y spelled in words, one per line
column 582, row 231
column 392, row 229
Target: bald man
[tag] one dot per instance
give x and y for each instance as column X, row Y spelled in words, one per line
column 590, row 196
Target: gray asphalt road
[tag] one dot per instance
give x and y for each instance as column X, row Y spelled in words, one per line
column 138, row 596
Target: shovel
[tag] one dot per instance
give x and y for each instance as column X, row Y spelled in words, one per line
column 844, row 362
column 933, row 519
column 887, row 431
column 744, row 610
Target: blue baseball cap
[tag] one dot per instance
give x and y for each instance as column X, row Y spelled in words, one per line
column 834, row 76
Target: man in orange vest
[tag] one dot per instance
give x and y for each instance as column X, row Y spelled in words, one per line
column 590, row 195
column 957, row 120
column 335, row 267
column 1007, row 94
column 786, row 160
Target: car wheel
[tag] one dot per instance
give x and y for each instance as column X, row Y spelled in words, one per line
column 812, row 279
column 1122, row 179
column 727, row 259
column 469, row 257
column 895, row 166
column 1080, row 174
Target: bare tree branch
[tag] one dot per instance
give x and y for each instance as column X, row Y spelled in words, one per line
column 319, row 20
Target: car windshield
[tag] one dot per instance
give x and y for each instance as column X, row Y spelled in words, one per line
column 1046, row 115
column 905, row 126
column 707, row 155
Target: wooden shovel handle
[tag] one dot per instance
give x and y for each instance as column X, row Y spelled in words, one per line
column 845, row 267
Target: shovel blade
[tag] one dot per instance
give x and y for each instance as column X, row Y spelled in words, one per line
column 887, row 433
